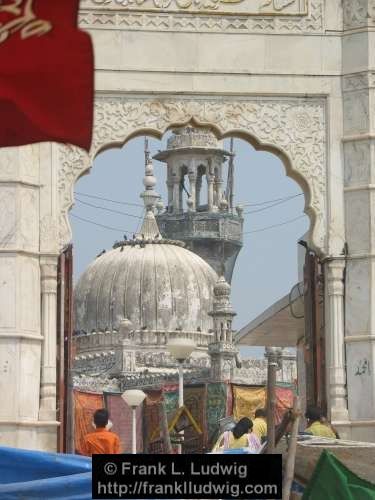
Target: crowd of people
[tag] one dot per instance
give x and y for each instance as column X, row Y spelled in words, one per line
column 246, row 433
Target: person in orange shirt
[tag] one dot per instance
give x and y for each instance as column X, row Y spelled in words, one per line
column 102, row 440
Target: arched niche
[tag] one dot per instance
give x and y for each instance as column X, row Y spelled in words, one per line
column 293, row 129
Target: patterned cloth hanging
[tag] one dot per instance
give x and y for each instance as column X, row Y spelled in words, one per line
column 85, row 405
column 246, row 400
column 195, row 401
column 151, row 420
column 216, row 407
column 249, row 399
column 284, row 401
column 170, row 394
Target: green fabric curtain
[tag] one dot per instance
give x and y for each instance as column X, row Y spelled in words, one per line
column 170, row 400
column 215, row 409
column 331, row 480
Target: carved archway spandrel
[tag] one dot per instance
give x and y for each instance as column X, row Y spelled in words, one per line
column 294, row 129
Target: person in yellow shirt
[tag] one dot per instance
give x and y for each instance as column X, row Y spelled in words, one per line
column 260, row 423
column 315, row 425
column 241, row 436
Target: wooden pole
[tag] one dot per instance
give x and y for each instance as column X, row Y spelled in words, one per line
column 272, row 354
column 290, row 461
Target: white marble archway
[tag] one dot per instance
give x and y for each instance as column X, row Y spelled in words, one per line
column 292, row 128
column 294, row 77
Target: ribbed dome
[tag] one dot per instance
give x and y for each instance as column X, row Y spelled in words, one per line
column 157, row 285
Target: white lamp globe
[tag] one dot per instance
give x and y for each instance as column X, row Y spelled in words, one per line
column 133, row 397
column 181, row 348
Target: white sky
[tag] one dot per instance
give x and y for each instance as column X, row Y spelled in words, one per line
column 266, row 268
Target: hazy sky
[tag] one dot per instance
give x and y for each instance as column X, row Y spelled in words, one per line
column 266, row 268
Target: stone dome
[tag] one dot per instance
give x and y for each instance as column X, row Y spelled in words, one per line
column 156, row 284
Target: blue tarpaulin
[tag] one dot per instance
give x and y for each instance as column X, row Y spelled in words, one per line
column 36, row 475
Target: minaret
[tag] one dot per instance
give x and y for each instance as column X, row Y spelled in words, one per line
column 222, row 350
column 200, row 211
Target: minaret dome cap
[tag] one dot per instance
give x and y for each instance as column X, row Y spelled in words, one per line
column 222, row 288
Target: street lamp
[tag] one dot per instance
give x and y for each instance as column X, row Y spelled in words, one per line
column 181, row 348
column 133, row 397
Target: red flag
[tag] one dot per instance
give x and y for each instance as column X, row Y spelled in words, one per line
column 46, row 74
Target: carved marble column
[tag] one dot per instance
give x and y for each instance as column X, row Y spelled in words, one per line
column 176, row 194
column 198, row 191
column 180, row 196
column 337, row 395
column 170, row 195
column 192, row 181
column 48, row 267
column 218, row 185
column 210, row 192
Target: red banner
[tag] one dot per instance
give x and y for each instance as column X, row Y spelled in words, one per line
column 46, row 74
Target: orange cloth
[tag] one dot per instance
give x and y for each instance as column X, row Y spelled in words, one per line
column 101, row 442
column 284, row 401
column 85, row 404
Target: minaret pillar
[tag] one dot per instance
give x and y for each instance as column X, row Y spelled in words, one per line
column 180, row 194
column 193, row 182
column 218, row 185
column 170, row 191
column 210, row 192
column 198, row 187
column 221, row 350
column 176, row 193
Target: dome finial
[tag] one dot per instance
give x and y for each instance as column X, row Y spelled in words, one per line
column 149, row 229
column 150, row 197
column 147, row 151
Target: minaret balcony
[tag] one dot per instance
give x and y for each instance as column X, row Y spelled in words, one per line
column 199, row 225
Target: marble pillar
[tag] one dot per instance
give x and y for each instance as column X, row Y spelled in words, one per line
column 337, row 396
column 192, row 182
column 47, row 410
column 210, row 192
column 170, row 196
column 198, row 191
column 176, row 194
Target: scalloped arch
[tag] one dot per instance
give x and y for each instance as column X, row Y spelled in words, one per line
column 293, row 129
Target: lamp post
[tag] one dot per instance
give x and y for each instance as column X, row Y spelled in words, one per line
column 180, row 349
column 133, row 397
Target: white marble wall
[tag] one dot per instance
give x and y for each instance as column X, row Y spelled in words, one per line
column 278, row 80
column 359, row 176
column 21, row 335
